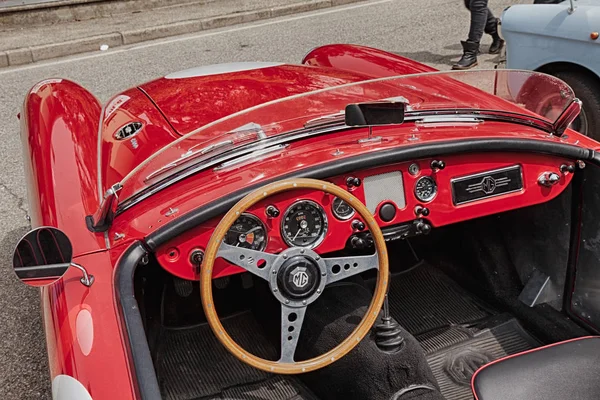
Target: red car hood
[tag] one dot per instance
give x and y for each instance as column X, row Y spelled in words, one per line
column 192, row 98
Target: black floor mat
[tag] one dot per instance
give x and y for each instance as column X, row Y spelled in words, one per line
column 193, row 364
column 425, row 299
column 467, row 349
column 458, row 333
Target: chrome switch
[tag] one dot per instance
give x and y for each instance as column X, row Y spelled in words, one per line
column 549, row 179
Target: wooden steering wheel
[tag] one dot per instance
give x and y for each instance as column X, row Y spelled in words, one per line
column 294, row 266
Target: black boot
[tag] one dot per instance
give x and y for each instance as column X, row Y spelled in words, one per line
column 469, row 58
column 497, row 44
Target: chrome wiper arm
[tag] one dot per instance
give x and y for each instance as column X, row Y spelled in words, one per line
column 192, row 154
column 188, row 156
column 444, row 119
column 482, row 114
column 251, row 127
column 325, row 120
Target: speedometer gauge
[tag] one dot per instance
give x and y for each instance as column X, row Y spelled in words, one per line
column 341, row 209
column 304, row 224
column 247, row 232
column 425, row 189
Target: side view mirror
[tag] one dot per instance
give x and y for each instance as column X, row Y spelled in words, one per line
column 43, row 256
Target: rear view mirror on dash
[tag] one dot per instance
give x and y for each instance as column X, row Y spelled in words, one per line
column 376, row 113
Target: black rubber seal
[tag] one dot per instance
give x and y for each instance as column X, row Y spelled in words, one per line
column 338, row 167
column 143, row 367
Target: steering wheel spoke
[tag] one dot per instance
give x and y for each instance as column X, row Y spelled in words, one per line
column 291, row 325
column 339, row 268
column 256, row 262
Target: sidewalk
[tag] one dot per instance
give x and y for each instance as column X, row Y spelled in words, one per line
column 30, row 44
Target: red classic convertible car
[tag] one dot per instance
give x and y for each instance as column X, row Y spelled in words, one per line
column 359, row 226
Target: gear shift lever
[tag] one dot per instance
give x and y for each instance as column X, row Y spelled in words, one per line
column 388, row 335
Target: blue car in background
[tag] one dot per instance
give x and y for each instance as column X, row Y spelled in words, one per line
column 561, row 40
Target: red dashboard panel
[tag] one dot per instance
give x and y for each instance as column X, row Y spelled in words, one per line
column 175, row 255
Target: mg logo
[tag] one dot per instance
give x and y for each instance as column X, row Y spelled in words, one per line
column 488, row 185
column 300, row 277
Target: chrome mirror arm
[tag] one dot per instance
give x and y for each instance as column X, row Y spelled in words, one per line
column 566, row 118
column 571, row 8
column 102, row 218
column 86, row 279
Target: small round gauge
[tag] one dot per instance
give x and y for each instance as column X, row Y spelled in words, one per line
column 248, row 232
column 425, row 189
column 341, row 209
column 304, row 224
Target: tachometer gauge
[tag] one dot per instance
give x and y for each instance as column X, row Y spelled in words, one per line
column 304, row 224
column 341, row 209
column 248, row 232
column 425, row 189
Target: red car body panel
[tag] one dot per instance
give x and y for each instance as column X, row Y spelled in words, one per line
column 59, row 132
column 83, row 333
column 60, row 135
column 184, row 100
column 365, row 60
column 120, row 157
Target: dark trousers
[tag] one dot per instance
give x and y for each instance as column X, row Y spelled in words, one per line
column 482, row 20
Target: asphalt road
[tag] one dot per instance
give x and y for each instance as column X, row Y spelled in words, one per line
column 425, row 30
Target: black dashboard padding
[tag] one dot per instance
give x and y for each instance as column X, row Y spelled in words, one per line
column 565, row 370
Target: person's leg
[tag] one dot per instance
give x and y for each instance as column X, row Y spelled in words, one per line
column 491, row 28
column 479, row 19
column 479, row 16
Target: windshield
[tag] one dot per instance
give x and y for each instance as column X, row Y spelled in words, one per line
column 524, row 94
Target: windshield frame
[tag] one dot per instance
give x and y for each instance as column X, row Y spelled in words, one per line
column 543, row 124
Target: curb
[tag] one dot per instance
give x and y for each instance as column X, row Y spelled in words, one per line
column 31, row 54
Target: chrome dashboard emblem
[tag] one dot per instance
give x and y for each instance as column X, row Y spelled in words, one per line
column 300, row 277
column 487, row 184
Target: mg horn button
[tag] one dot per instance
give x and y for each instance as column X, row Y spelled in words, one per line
column 298, row 277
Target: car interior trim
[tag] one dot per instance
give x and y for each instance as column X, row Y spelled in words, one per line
column 143, row 367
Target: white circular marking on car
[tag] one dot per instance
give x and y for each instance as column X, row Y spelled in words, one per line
column 84, row 328
column 65, row 387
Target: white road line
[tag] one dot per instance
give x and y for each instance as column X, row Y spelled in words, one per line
column 159, row 42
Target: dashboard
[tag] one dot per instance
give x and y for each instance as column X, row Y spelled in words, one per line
column 406, row 199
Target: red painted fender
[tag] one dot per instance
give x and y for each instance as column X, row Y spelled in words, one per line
column 365, row 60
column 59, row 132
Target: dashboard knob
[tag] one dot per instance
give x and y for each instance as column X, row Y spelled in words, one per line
column 420, row 210
column 358, row 243
column 423, row 228
column 567, row 168
column 437, row 165
column 272, row 211
column 358, row 225
column 352, row 182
